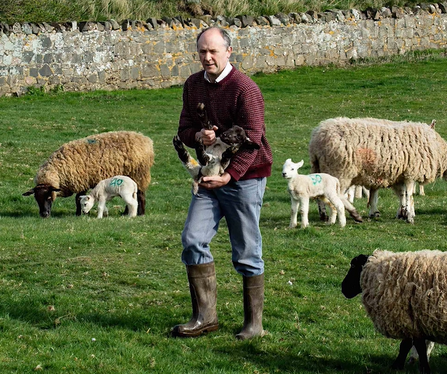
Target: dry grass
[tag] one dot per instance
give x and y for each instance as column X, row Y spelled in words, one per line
column 98, row 10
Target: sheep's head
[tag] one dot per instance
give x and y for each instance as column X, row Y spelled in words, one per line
column 290, row 169
column 350, row 286
column 44, row 195
column 236, row 136
column 86, row 202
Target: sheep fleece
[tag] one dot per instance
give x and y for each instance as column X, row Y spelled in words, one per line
column 405, row 294
column 81, row 164
column 377, row 153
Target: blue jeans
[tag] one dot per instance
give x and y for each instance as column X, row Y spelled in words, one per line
column 240, row 203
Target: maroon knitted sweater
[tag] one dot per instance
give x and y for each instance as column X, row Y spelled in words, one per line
column 236, row 100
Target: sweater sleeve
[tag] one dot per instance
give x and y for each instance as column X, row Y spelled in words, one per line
column 250, row 116
column 187, row 127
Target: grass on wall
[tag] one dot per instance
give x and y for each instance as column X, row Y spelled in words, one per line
column 81, row 295
column 99, row 10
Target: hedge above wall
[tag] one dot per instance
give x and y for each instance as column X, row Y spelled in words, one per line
column 162, row 52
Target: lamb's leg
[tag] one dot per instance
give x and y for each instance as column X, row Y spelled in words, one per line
column 372, row 203
column 294, row 213
column 333, row 210
column 101, row 206
column 227, row 155
column 304, row 211
column 410, row 187
column 78, row 202
column 405, row 347
column 340, row 209
column 202, row 156
column 132, row 205
column 322, row 211
column 188, row 162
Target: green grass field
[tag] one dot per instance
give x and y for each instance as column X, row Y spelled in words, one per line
column 81, row 295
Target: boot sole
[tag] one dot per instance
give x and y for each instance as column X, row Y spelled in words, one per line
column 193, row 334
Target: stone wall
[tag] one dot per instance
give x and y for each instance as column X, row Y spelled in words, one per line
column 162, row 53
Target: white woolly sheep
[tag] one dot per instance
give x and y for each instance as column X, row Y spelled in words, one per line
column 303, row 187
column 405, row 295
column 107, row 189
column 378, row 153
column 81, row 164
column 215, row 158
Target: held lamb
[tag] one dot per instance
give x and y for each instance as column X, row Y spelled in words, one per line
column 107, row 189
column 405, row 295
column 80, row 165
column 378, row 153
column 303, row 187
column 213, row 159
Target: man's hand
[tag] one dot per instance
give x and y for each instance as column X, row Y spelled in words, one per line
column 213, row 182
column 208, row 137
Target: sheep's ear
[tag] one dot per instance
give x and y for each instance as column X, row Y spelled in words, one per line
column 248, row 144
column 299, row 164
column 27, row 193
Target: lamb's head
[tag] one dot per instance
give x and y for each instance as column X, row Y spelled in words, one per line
column 87, row 203
column 44, row 195
column 350, row 286
column 236, row 136
column 290, row 169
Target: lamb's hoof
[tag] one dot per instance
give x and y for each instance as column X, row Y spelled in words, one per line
column 357, row 217
column 324, row 217
column 177, row 143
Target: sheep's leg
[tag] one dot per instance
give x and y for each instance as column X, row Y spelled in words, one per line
column 351, row 209
column 333, row 210
column 351, row 193
column 414, row 353
column 405, row 347
column 304, row 211
column 322, row 211
column 410, row 187
column 141, row 197
column 421, row 190
column 372, row 203
column 78, row 202
column 421, row 348
column 294, row 213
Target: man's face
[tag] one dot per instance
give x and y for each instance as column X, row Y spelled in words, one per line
column 213, row 53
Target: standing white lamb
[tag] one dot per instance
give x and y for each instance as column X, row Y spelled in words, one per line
column 107, row 189
column 378, row 153
column 303, row 187
column 405, row 295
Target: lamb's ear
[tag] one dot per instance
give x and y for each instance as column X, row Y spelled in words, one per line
column 299, row 164
column 27, row 193
column 248, row 144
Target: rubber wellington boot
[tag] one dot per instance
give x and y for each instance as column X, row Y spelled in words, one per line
column 253, row 306
column 202, row 286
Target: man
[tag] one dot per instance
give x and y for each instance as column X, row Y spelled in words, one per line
column 230, row 98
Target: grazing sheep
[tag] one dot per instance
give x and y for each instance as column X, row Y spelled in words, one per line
column 378, row 153
column 213, row 159
column 405, row 295
column 302, row 187
column 107, row 189
column 81, row 164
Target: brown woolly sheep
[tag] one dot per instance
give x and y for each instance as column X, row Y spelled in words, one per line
column 81, row 164
column 405, row 296
column 378, row 153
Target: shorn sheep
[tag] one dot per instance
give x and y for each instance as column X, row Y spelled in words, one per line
column 303, row 187
column 80, row 165
column 106, row 190
column 213, row 159
column 378, row 153
column 405, row 295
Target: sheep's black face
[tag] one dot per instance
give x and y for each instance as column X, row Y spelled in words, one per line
column 350, row 286
column 44, row 196
column 234, row 136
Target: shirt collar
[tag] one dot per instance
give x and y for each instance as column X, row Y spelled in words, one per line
column 222, row 75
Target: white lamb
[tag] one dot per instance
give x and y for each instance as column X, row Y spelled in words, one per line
column 107, row 189
column 323, row 186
